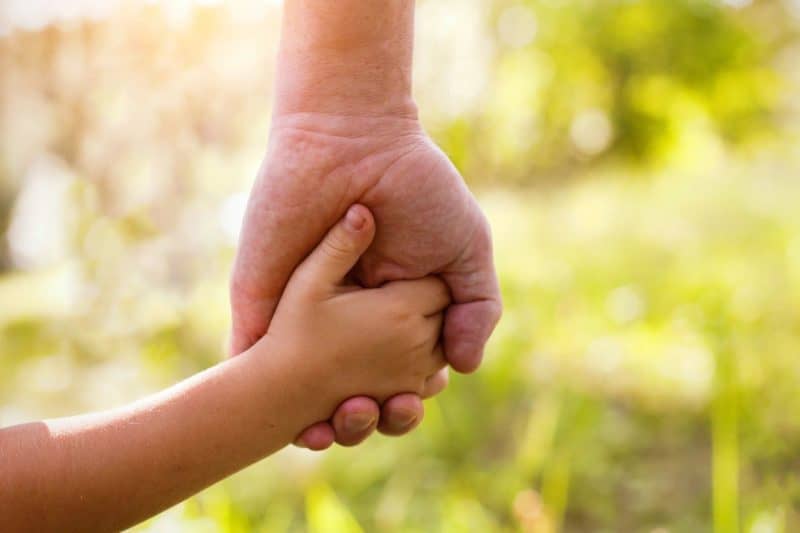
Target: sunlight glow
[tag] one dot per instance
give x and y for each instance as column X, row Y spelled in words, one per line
column 31, row 15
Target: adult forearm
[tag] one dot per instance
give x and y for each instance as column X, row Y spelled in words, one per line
column 346, row 57
column 108, row 471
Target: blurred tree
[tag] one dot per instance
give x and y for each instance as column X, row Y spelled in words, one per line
column 580, row 81
column 599, row 405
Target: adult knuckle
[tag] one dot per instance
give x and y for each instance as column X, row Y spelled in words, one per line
column 496, row 311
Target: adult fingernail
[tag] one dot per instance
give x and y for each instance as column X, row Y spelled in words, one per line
column 355, row 220
column 406, row 418
column 357, row 422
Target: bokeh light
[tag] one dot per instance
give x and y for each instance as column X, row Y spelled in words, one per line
column 638, row 161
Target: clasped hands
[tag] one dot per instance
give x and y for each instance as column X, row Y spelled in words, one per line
column 426, row 223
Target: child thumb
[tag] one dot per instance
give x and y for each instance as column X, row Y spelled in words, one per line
column 342, row 247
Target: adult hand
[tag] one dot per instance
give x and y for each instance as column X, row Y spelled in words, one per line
column 345, row 131
column 427, row 222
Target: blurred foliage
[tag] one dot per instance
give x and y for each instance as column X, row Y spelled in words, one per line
column 644, row 377
column 574, row 83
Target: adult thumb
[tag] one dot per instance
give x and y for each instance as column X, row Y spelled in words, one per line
column 341, row 248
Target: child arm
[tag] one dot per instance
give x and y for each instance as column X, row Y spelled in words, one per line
column 328, row 341
column 110, row 470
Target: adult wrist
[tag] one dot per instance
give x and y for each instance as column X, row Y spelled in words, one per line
column 349, row 57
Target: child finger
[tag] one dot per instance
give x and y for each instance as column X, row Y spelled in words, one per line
column 425, row 296
column 340, row 249
column 436, row 361
column 436, row 383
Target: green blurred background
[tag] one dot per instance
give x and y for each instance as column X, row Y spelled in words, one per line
column 640, row 165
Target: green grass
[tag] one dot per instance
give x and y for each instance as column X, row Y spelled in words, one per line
column 644, row 376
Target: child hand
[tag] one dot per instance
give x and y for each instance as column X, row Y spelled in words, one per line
column 342, row 340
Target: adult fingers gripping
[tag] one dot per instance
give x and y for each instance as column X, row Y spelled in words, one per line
column 401, row 414
column 317, row 437
column 477, row 305
column 355, row 419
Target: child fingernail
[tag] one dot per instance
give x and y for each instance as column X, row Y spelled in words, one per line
column 355, row 220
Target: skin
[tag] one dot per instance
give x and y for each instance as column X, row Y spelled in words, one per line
column 345, row 129
column 108, row 471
